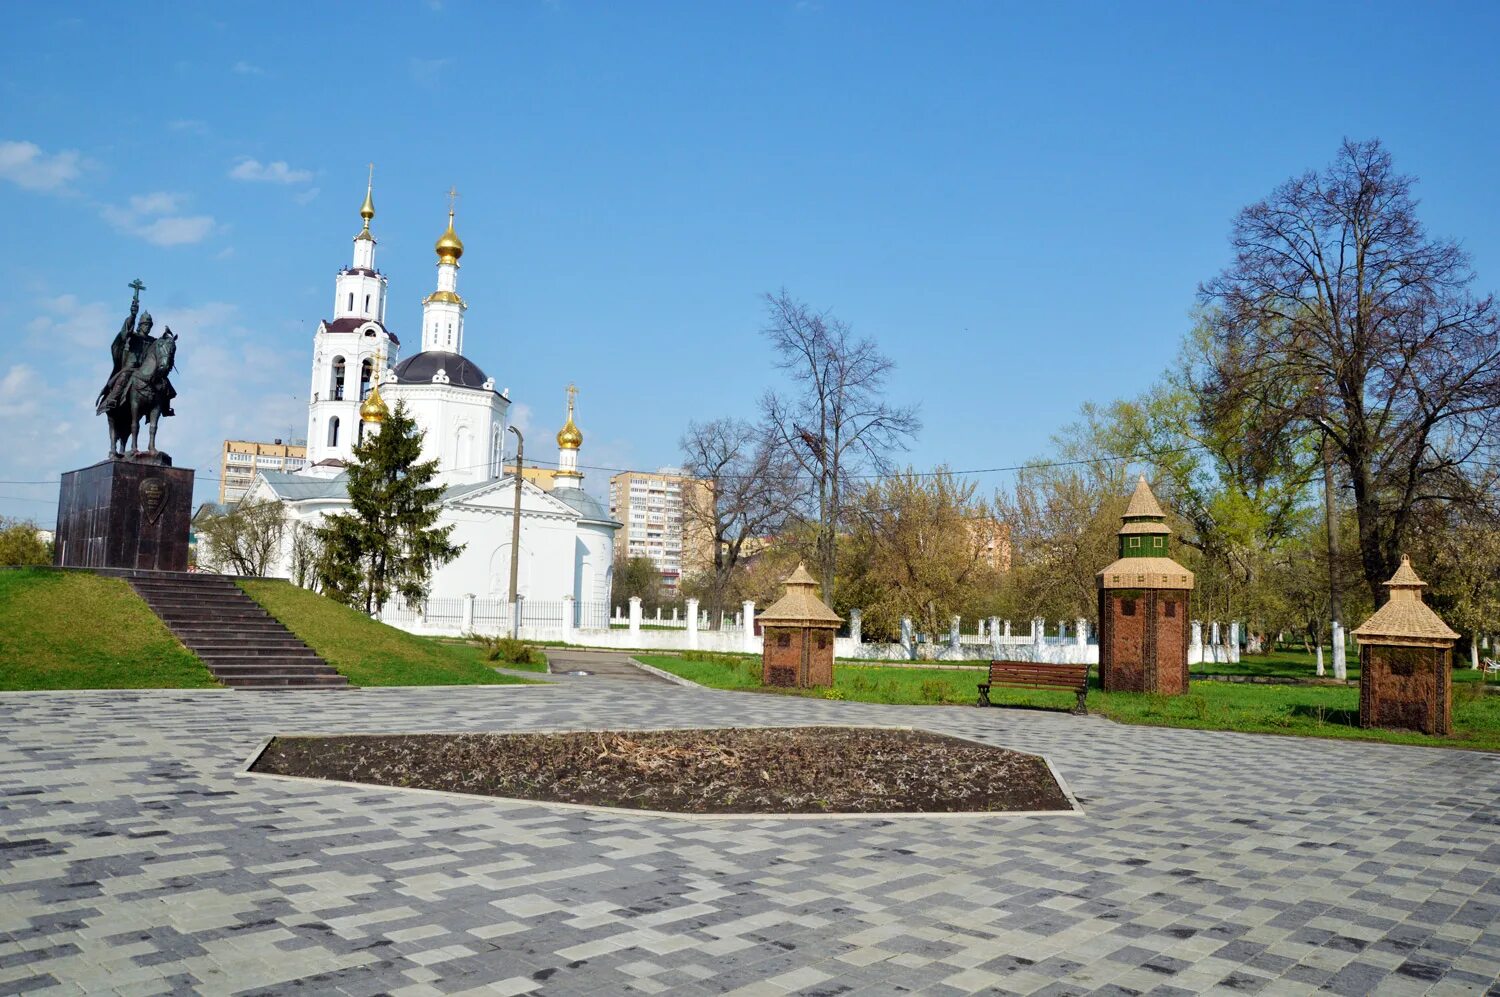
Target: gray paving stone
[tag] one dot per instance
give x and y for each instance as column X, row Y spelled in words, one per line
column 134, row 857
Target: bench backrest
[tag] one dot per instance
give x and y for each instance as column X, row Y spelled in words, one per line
column 1038, row 673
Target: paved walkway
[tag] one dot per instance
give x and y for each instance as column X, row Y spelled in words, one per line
column 603, row 665
column 134, row 857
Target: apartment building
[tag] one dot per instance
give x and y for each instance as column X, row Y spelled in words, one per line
column 650, row 504
column 243, row 458
column 544, row 478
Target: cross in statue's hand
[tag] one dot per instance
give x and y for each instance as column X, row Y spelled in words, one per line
column 139, row 287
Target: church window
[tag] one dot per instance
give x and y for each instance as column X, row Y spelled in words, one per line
column 351, row 301
column 450, row 334
column 337, row 392
column 359, row 433
column 366, row 372
column 333, row 431
column 367, row 303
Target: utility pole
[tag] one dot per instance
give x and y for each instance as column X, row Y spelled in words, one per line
column 1335, row 597
column 515, row 539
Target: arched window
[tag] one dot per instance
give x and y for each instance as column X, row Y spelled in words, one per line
column 366, row 371
column 351, row 301
column 336, row 390
column 359, row 433
column 333, row 431
column 462, row 456
column 367, row 304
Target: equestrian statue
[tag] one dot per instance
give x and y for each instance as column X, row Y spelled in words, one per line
column 138, row 387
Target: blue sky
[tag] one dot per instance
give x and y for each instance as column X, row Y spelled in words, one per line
column 1016, row 200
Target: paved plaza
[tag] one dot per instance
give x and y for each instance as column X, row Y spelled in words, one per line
column 135, row 857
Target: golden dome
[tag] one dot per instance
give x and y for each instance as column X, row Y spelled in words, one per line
column 570, row 437
column 373, row 408
column 449, row 246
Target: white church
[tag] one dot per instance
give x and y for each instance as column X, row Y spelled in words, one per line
column 567, row 536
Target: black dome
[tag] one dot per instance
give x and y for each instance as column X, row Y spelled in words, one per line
column 420, row 368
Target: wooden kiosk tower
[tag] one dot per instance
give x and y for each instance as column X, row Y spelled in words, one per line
column 797, row 634
column 1405, row 677
column 1143, row 606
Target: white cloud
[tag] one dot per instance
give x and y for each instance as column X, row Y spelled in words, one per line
column 276, row 172
column 307, row 195
column 16, row 396
column 27, row 166
column 154, row 218
column 66, row 322
column 244, row 68
column 425, row 71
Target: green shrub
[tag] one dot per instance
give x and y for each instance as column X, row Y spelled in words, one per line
column 510, row 651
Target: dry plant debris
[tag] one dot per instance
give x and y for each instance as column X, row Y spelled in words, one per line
column 780, row 770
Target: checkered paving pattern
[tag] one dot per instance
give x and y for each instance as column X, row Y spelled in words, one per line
column 135, row 858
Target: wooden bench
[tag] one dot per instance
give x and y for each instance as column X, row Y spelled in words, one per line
column 1031, row 675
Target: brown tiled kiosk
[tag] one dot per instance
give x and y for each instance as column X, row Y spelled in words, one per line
column 1143, row 606
column 798, row 632
column 1405, row 667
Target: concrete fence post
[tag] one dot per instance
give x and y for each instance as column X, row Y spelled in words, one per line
column 466, row 621
column 906, row 637
column 1039, row 631
column 1081, row 635
column 1007, row 628
column 1195, row 642
column 748, row 614
column 1234, row 641
column 569, row 620
column 635, row 614
column 857, row 626
column 692, row 624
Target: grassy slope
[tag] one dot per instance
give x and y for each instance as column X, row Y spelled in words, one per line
column 75, row 630
column 1318, row 711
column 368, row 652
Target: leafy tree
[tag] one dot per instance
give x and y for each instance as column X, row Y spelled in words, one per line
column 387, row 544
column 637, row 576
column 922, row 546
column 246, row 540
column 1340, row 314
column 836, row 421
column 20, row 543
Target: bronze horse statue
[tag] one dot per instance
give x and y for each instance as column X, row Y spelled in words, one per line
column 137, row 392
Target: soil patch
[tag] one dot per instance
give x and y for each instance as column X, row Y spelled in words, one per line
column 791, row 770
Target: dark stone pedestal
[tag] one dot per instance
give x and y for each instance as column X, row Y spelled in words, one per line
column 125, row 514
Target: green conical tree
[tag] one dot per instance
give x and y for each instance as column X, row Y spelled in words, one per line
column 387, row 545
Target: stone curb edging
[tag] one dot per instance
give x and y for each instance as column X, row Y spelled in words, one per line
column 244, row 771
column 674, row 679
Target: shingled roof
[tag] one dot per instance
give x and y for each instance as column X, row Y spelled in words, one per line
column 800, row 607
column 1404, row 617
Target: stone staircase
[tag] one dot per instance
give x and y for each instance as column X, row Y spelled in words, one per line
column 243, row 646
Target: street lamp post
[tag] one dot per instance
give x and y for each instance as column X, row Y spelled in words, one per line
column 515, row 539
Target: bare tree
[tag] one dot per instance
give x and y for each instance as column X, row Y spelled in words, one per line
column 746, row 494
column 837, row 422
column 246, row 539
column 1338, row 293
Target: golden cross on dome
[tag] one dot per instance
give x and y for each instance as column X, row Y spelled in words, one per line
column 572, row 394
column 452, row 198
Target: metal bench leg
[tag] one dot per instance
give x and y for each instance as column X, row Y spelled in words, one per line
column 1082, row 708
column 984, row 695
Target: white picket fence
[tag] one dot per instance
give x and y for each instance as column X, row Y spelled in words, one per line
column 591, row 624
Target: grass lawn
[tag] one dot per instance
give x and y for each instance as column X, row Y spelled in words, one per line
column 1315, row 711
column 1281, row 663
column 368, row 652
column 77, row 630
